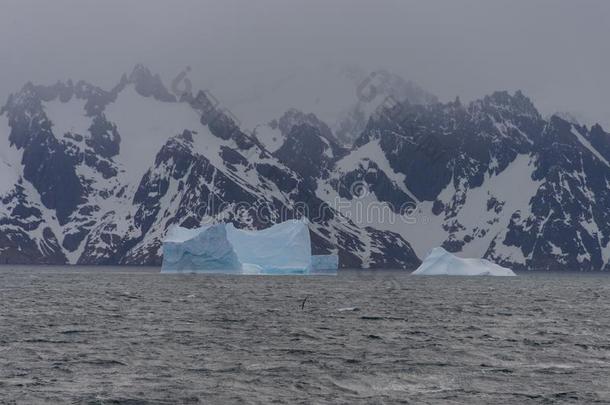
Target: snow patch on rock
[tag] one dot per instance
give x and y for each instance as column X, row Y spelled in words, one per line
column 145, row 125
column 68, row 117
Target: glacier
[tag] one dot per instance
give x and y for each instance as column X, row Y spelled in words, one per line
column 283, row 248
column 442, row 263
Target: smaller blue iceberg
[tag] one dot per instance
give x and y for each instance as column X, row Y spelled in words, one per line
column 283, row 248
column 442, row 263
column 324, row 264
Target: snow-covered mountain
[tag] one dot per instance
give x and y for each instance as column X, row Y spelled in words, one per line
column 95, row 176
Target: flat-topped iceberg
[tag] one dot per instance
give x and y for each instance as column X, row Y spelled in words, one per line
column 442, row 263
column 283, row 248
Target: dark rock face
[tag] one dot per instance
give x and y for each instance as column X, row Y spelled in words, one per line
column 377, row 182
column 149, row 85
column 105, row 140
column 292, row 119
column 491, row 179
column 391, row 251
column 373, row 90
column 46, row 161
column 304, row 152
column 568, row 224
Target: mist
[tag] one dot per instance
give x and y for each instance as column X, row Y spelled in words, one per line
column 556, row 51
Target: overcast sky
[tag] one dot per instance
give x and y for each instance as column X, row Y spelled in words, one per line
column 556, row 51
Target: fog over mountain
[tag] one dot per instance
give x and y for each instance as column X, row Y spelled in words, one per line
column 555, row 51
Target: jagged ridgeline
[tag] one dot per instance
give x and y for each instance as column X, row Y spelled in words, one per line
column 94, row 176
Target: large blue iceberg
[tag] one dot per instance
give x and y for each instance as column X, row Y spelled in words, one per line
column 203, row 249
column 283, row 248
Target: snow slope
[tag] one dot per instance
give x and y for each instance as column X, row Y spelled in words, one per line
column 68, row 117
column 8, row 177
column 9, row 168
column 145, row 124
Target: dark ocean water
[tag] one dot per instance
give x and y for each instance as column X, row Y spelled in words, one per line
column 133, row 336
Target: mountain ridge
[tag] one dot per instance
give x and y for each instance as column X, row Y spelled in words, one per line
column 100, row 176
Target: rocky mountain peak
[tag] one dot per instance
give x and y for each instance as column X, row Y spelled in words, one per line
column 149, row 85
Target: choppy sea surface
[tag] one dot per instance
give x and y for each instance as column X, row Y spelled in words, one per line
column 133, row 336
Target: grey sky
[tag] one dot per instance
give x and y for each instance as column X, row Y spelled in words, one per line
column 556, row 51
